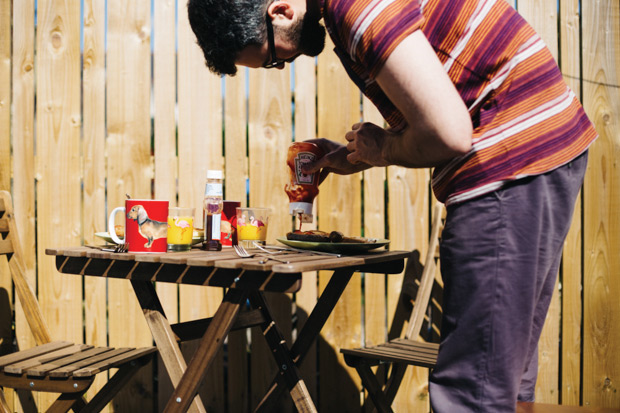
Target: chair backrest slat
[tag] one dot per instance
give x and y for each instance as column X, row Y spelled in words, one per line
column 4, row 222
column 427, row 279
column 11, row 246
column 6, row 247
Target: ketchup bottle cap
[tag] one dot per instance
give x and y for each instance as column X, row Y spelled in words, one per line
column 214, row 174
column 303, row 208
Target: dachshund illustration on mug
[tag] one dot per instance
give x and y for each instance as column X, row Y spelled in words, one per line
column 148, row 228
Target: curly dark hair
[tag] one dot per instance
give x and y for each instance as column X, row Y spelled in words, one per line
column 225, row 27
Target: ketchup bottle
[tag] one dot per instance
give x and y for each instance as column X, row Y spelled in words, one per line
column 302, row 188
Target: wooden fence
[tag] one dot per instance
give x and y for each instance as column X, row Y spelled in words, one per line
column 108, row 97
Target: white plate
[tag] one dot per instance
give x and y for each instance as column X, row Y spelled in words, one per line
column 336, row 247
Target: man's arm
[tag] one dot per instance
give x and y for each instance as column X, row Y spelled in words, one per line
column 439, row 125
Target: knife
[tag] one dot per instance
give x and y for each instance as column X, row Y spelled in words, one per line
column 275, row 247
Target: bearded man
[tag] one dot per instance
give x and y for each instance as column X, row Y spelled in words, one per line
column 468, row 88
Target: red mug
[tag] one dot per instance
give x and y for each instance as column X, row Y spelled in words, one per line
column 228, row 224
column 146, row 225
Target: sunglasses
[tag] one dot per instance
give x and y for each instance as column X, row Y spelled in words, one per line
column 275, row 62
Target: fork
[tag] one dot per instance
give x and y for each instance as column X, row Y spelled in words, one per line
column 243, row 253
column 263, row 249
column 110, row 248
column 124, row 247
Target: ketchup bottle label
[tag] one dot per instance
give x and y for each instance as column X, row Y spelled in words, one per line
column 301, row 159
column 302, row 188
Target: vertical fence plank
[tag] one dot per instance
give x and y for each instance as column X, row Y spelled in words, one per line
column 235, row 129
column 164, row 92
column 270, row 133
column 601, row 96
column 571, row 306
column 339, row 206
column 543, row 16
column 23, row 145
column 375, row 304
column 408, row 223
column 305, row 128
column 374, row 226
column 200, row 148
column 5, row 156
column 6, row 317
column 236, row 172
column 93, row 153
column 166, row 165
column 129, row 168
column 58, row 173
column 5, row 94
column 22, row 127
column 200, row 118
column 572, row 262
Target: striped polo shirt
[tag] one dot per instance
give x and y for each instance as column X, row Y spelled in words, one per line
column 526, row 119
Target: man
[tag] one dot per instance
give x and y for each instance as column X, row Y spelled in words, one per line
column 467, row 87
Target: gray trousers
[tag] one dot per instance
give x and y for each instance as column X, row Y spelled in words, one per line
column 500, row 255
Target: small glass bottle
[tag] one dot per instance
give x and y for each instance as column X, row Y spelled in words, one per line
column 213, row 202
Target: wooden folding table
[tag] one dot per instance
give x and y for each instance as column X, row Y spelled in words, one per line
column 245, row 279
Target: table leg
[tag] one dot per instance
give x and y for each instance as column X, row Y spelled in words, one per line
column 308, row 334
column 286, row 365
column 209, row 345
column 163, row 335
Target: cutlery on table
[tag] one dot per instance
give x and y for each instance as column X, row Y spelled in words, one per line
column 110, row 248
column 243, row 253
column 275, row 247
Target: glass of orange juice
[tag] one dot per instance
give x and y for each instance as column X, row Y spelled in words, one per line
column 252, row 226
column 180, row 228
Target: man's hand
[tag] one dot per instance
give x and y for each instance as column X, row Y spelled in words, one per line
column 335, row 160
column 366, row 143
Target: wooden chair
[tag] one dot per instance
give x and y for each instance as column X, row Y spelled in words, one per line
column 409, row 349
column 57, row 366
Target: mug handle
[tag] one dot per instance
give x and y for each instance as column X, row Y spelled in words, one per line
column 111, row 230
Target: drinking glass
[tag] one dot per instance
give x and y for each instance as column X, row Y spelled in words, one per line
column 252, row 226
column 180, row 228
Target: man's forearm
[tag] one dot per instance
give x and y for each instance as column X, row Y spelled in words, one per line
column 416, row 150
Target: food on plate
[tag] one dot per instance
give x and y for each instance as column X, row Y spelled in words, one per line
column 119, row 230
column 322, row 236
column 308, row 236
column 337, row 236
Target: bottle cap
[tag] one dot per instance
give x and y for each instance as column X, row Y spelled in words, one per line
column 214, row 174
column 303, row 208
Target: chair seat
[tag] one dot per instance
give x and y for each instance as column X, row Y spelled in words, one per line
column 62, row 366
column 399, row 350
